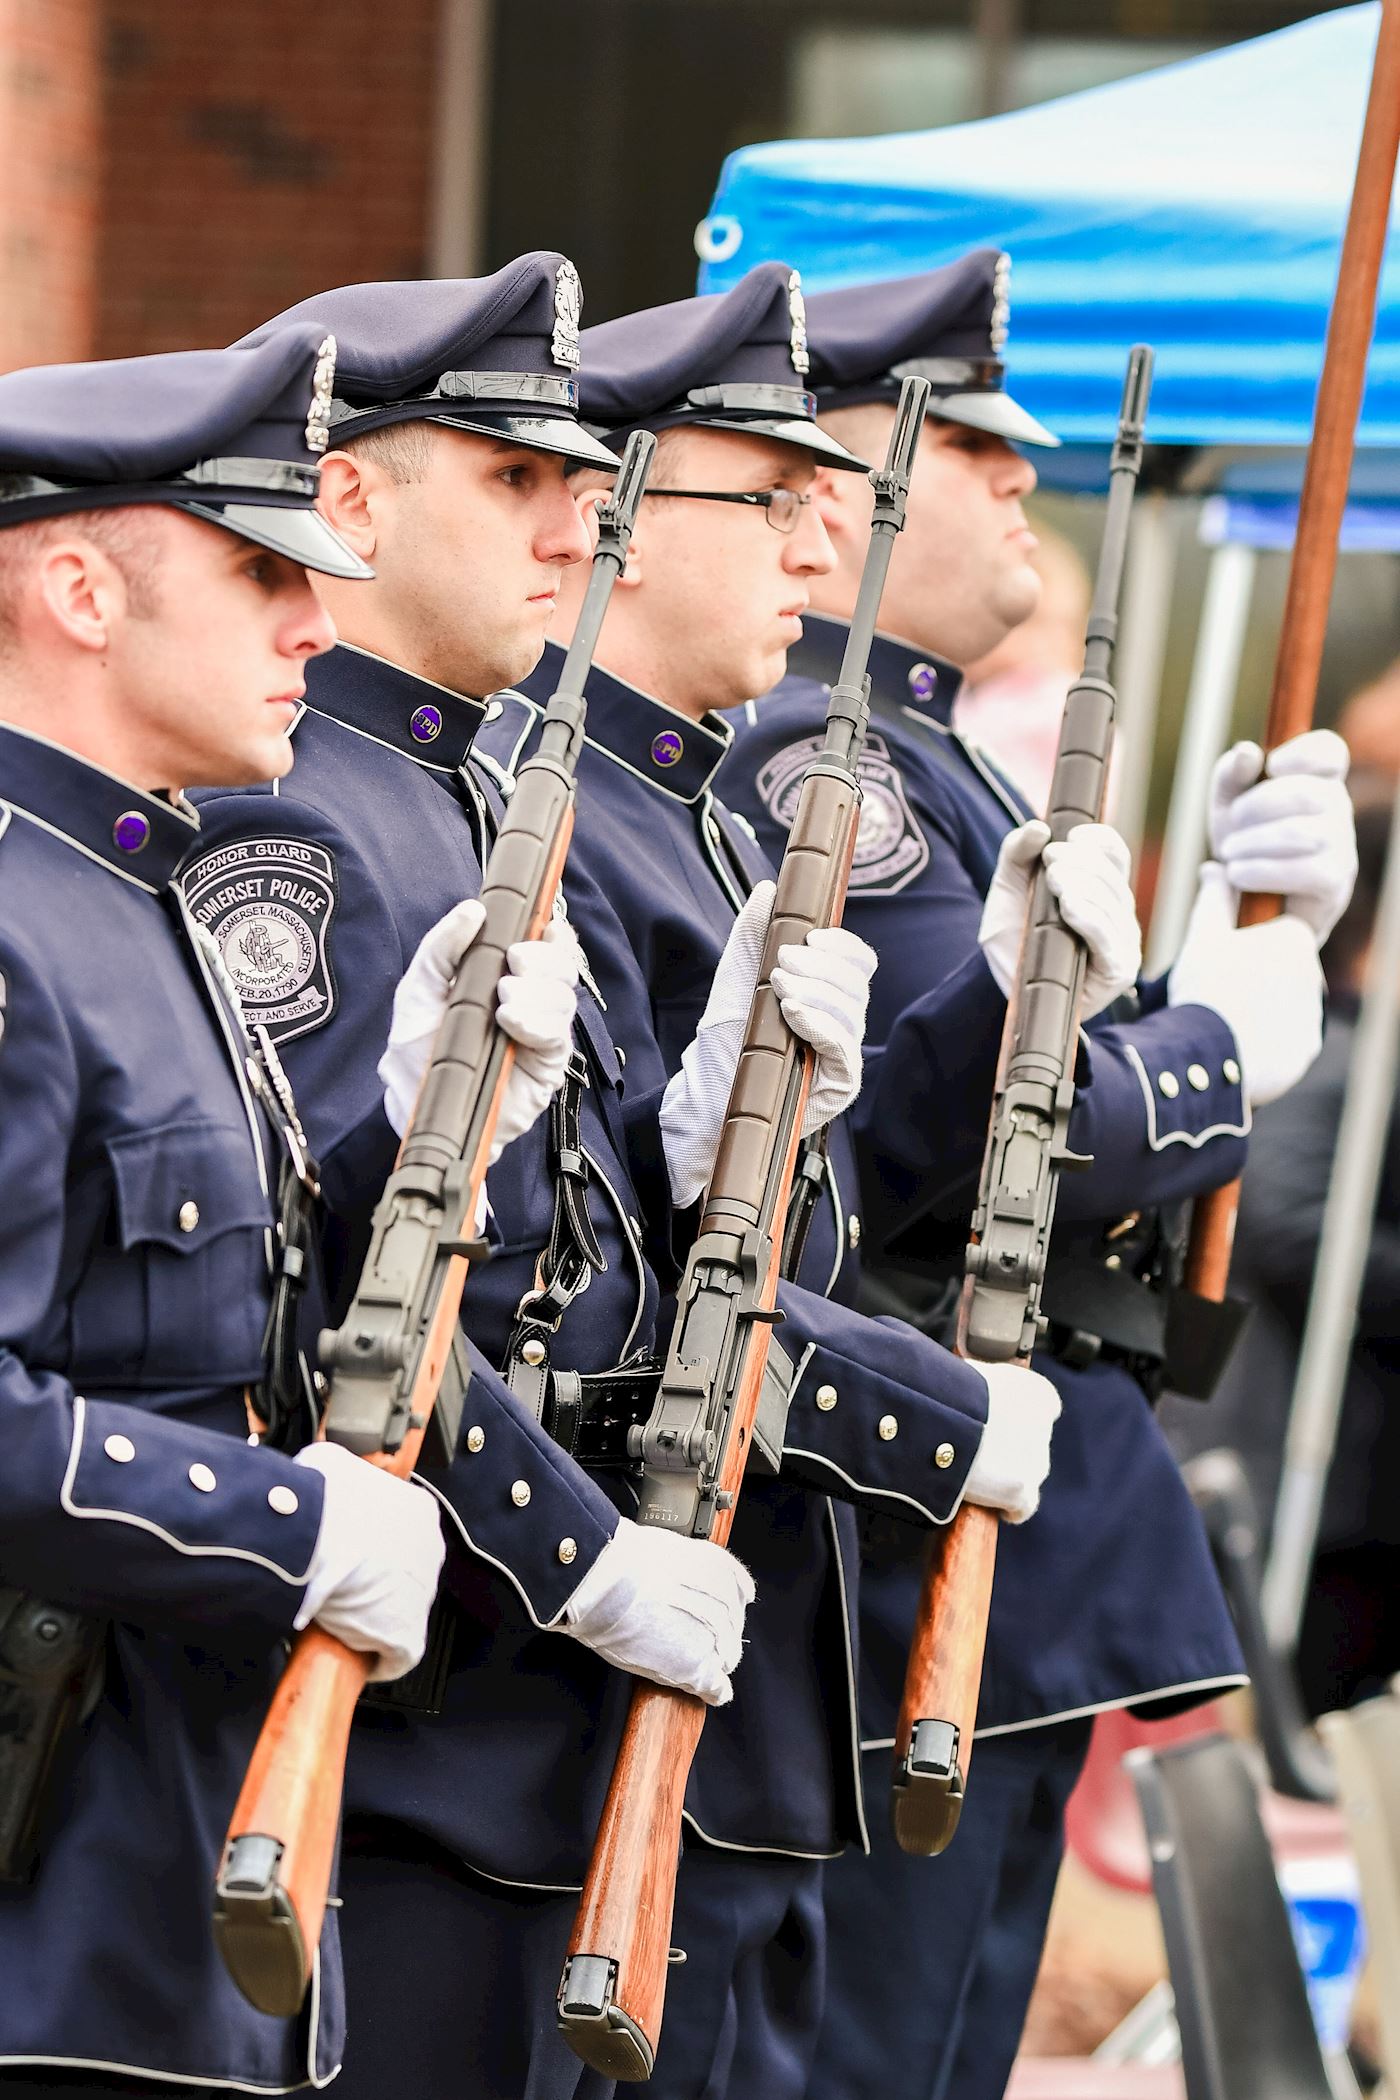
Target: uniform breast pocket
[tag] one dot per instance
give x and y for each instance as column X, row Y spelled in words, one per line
column 177, row 1293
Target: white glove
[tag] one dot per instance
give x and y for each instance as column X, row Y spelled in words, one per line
column 375, row 1567
column 1013, row 1457
column 535, row 1004
column 1265, row 983
column 822, row 987
column 1087, row 874
column 665, row 1607
column 1294, row 833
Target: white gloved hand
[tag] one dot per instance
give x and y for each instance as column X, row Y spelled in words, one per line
column 664, row 1607
column 1088, row 877
column 536, row 1004
column 1265, row 983
column 1013, row 1458
column 1291, row 832
column 822, row 987
column 376, row 1562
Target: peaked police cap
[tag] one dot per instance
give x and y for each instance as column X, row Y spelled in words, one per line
column 947, row 326
column 495, row 355
column 735, row 360
column 231, row 436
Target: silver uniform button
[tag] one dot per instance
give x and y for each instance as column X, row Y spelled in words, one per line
column 1168, row 1085
column 853, row 1231
column 1198, row 1077
column 1230, row 1072
column 888, row 1427
column 187, row 1217
column 943, row 1457
column 120, row 1449
column 568, row 1550
column 520, row 1493
column 622, row 1060
column 533, row 1353
column 283, row 1500
column 203, row 1478
column 475, row 1439
column 826, row 1398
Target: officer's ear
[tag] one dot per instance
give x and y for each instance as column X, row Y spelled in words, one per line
column 77, row 589
column 588, row 497
column 351, row 492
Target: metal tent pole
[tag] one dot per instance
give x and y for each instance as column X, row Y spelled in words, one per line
column 1347, row 1223
column 1147, row 597
column 1205, row 728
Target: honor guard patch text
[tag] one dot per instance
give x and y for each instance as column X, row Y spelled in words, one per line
column 268, row 905
column 890, row 848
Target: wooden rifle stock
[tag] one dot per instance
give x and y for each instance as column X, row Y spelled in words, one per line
column 696, row 1443
column 1320, row 510
column 388, row 1361
column 999, row 1317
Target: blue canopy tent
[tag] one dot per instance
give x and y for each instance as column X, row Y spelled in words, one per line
column 1198, row 208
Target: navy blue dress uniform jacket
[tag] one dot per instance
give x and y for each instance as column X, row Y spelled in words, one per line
column 880, row 1418
column 134, row 1289
column 343, row 867
column 1107, row 1596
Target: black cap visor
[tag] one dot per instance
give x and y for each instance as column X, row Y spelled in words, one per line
column 995, row 413
column 791, row 430
column 558, row 434
column 784, row 430
column 302, row 535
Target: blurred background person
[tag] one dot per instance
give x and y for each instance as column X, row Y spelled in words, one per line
column 1349, row 1643
column 1014, row 698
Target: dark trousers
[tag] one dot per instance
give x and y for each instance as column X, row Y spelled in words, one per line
column 1349, row 1643
column 931, row 1962
column 450, row 1980
column 743, row 2010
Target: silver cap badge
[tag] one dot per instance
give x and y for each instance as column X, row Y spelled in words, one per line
column 318, row 417
column 568, row 309
column 1001, row 303
column 797, row 312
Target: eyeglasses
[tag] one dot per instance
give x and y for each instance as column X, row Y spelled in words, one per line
column 781, row 507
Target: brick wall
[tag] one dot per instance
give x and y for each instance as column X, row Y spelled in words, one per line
column 48, row 179
column 254, row 151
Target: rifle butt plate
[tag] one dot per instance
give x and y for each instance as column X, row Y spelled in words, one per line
column 595, row 2028
column 256, row 1928
column 927, row 1794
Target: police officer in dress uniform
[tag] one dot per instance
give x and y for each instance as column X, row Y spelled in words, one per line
column 1108, row 1598
column 471, row 1819
column 156, row 619
column 721, row 565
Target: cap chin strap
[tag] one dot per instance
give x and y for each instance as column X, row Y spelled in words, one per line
column 510, row 389
column 231, row 477
column 955, row 375
column 792, row 402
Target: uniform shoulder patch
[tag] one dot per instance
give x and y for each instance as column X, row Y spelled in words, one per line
column 890, row 848
column 267, row 904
